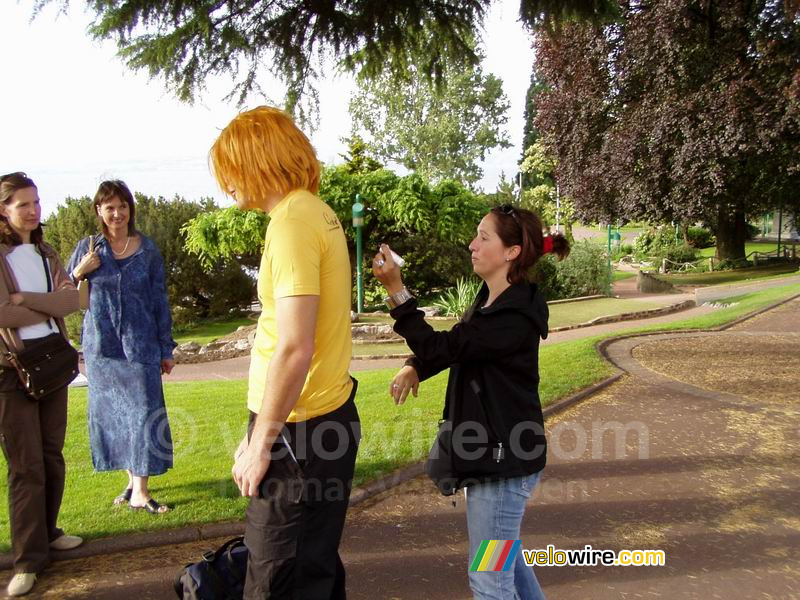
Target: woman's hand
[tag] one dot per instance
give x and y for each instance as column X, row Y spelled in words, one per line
column 386, row 270
column 167, row 364
column 90, row 262
column 405, row 381
column 16, row 298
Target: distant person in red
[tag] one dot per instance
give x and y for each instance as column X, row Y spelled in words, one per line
column 492, row 390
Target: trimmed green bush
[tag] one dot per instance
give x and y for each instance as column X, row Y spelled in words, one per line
column 583, row 273
column 679, row 253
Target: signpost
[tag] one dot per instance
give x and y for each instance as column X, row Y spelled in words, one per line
column 358, row 222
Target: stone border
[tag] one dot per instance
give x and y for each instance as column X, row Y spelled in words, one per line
column 631, row 316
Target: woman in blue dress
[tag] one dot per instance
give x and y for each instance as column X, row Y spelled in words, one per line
column 127, row 345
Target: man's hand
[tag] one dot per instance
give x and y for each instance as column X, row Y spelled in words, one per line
column 16, row 299
column 240, row 450
column 167, row 364
column 250, row 468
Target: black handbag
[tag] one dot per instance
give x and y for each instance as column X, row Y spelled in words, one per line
column 439, row 465
column 47, row 364
column 450, row 475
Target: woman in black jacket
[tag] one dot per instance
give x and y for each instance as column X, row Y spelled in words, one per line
column 498, row 445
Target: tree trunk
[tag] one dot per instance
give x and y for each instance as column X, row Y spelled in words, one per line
column 731, row 233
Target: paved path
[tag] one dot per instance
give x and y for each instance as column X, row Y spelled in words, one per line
column 704, row 467
column 237, row 368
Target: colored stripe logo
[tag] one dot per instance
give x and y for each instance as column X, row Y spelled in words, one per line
column 495, row 555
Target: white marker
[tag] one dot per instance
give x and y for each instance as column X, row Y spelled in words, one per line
column 398, row 260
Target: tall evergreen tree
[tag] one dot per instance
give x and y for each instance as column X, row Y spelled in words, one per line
column 530, row 135
column 186, row 41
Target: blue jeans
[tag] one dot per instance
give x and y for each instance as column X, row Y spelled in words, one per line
column 494, row 512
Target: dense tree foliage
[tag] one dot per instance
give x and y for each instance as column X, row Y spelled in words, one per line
column 195, row 292
column 359, row 158
column 438, row 131
column 681, row 111
column 543, row 196
column 186, row 41
column 429, row 225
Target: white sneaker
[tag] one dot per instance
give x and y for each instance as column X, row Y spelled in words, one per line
column 21, row 584
column 66, row 542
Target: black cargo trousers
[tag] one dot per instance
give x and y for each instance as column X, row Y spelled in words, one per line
column 295, row 524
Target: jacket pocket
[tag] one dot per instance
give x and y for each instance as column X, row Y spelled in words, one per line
column 484, row 413
column 496, row 445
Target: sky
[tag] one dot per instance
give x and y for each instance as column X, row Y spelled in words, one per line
column 74, row 115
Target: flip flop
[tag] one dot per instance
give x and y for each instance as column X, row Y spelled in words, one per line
column 124, row 497
column 151, row 506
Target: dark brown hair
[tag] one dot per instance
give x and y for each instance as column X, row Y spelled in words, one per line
column 107, row 191
column 10, row 184
column 523, row 228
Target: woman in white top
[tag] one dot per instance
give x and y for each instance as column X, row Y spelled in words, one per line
column 31, row 432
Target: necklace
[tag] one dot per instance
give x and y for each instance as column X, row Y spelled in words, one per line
column 123, row 250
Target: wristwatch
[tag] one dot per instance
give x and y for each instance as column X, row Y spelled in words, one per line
column 398, row 298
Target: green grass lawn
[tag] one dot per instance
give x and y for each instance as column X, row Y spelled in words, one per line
column 210, row 331
column 208, row 420
column 748, row 248
column 730, row 276
column 620, row 275
column 573, row 313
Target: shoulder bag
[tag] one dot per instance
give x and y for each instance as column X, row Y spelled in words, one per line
column 439, row 465
column 83, row 284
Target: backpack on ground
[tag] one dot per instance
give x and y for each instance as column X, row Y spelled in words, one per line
column 219, row 576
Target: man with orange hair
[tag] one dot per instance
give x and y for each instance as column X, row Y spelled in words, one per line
column 296, row 463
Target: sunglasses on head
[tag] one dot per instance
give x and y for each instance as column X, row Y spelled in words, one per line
column 10, row 175
column 507, row 209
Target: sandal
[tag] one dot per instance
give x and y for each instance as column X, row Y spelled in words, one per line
column 124, row 497
column 151, row 506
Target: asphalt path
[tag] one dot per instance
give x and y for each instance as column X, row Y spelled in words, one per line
column 690, row 452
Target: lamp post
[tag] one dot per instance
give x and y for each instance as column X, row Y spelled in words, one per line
column 616, row 237
column 609, row 259
column 358, row 222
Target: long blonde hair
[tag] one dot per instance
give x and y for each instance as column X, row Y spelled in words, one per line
column 262, row 152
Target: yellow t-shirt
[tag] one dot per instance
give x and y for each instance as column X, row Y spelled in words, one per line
column 305, row 254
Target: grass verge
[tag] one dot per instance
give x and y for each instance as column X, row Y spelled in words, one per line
column 748, row 248
column 208, row 419
column 730, row 276
column 620, row 275
column 210, row 331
